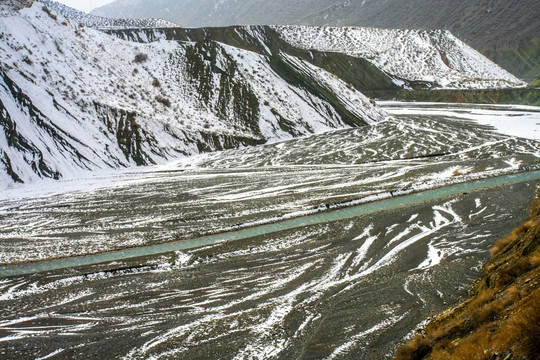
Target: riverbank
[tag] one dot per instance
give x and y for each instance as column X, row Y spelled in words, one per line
column 321, row 215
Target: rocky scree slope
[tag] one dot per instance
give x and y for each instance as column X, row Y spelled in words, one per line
column 73, row 98
column 508, row 32
column 370, row 59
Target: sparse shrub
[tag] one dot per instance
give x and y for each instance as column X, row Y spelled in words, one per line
column 163, row 100
column 156, row 83
column 58, row 47
column 140, row 58
column 135, row 71
column 487, row 312
column 206, row 126
column 27, row 60
column 48, row 12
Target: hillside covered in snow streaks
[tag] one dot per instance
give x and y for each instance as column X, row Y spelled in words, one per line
column 431, row 56
column 73, row 98
column 369, row 58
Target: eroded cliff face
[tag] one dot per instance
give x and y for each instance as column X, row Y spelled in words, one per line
column 23, row 146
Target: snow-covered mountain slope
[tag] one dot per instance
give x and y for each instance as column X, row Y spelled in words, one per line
column 371, row 59
column 100, row 22
column 432, row 56
column 508, row 32
column 410, row 58
column 74, row 98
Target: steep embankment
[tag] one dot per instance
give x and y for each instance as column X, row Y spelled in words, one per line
column 73, row 98
column 502, row 318
column 506, row 31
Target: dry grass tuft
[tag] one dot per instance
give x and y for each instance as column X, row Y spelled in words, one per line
column 512, row 271
column 510, row 296
column 534, row 259
column 514, row 235
column 487, row 312
column 415, row 349
column 522, row 330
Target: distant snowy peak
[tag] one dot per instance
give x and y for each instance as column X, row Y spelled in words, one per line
column 99, row 22
column 431, row 56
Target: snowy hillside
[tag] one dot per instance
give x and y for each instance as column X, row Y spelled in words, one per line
column 370, row 59
column 73, row 98
column 434, row 56
column 507, row 32
column 100, row 22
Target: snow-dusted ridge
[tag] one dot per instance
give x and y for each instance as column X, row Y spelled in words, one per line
column 401, row 59
column 431, row 56
column 74, row 98
column 100, row 22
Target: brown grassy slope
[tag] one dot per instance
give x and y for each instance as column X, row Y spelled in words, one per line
column 502, row 319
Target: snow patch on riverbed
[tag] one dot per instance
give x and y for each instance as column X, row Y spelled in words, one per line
column 511, row 120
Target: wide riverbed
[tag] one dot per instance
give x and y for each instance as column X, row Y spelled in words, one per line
column 352, row 287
